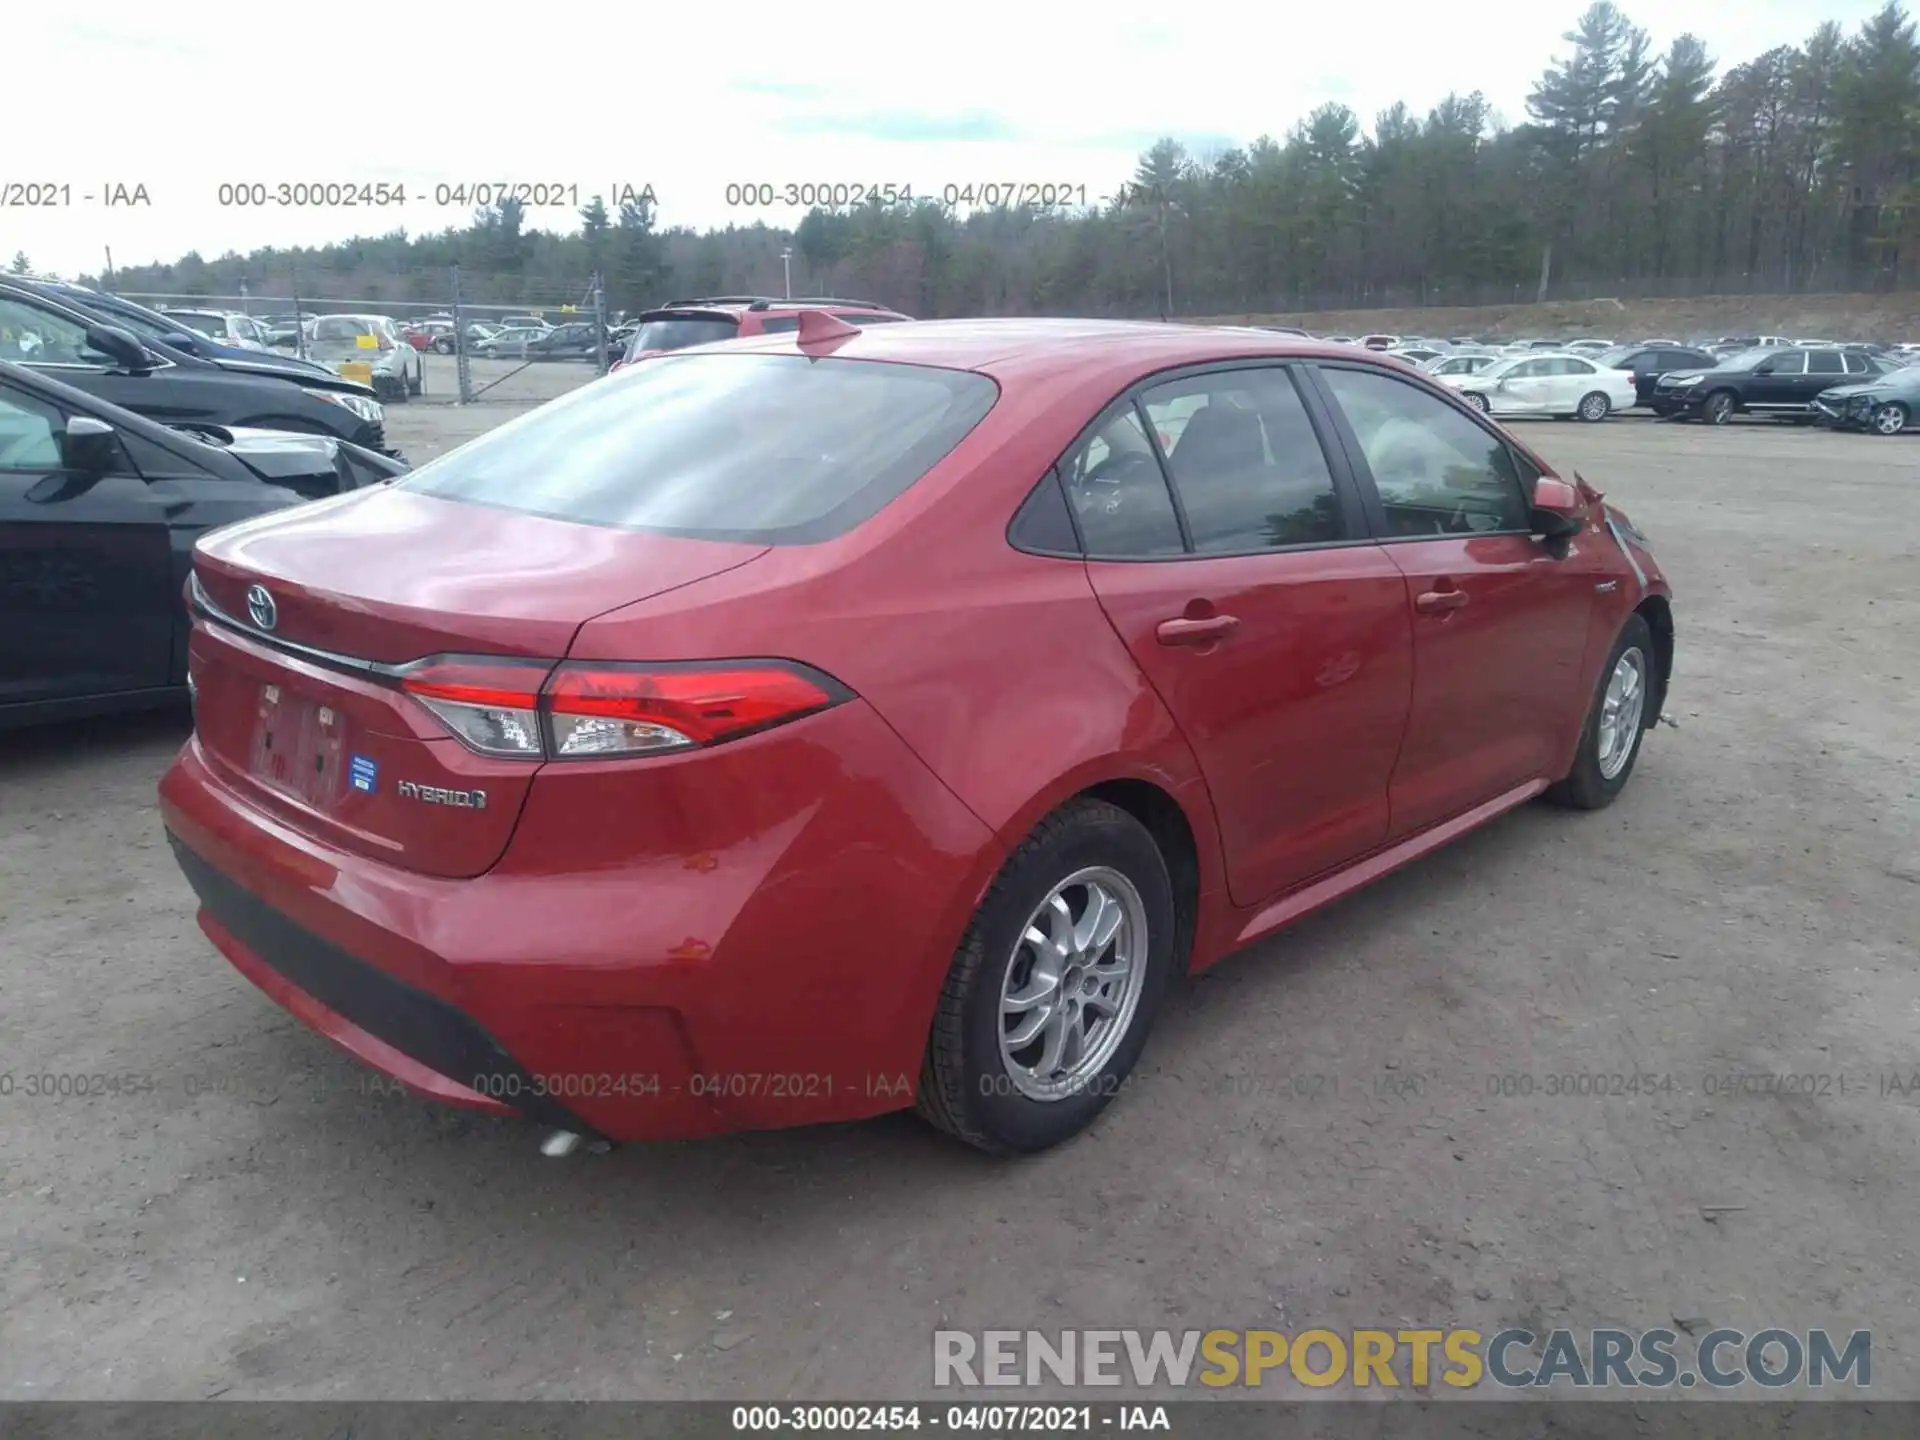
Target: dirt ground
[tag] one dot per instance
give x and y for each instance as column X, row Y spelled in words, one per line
column 1334, row 1128
column 1890, row 319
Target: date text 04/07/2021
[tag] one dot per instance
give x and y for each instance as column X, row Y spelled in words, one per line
column 1001, row 1419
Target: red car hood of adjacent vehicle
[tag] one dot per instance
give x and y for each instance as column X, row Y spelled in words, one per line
column 391, row 575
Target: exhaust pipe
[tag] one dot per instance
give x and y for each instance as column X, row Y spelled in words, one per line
column 562, row 1143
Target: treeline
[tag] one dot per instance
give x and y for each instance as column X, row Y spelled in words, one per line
column 1635, row 173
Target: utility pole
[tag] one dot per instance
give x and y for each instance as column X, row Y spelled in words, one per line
column 786, row 267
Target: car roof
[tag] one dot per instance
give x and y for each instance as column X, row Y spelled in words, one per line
column 1113, row 351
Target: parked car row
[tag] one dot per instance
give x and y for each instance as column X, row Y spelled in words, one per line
column 100, row 510
column 1847, row 385
column 120, row 352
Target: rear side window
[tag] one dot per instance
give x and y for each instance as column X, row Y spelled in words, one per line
column 1825, row 362
column 1247, row 465
column 1118, row 493
column 765, row 449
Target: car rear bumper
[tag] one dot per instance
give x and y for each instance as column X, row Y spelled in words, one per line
column 787, row 979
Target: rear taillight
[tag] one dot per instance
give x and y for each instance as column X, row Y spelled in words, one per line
column 541, row 709
column 491, row 705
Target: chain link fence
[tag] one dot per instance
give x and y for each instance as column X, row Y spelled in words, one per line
column 449, row 350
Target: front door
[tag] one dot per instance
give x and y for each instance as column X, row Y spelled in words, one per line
column 1273, row 630
column 86, row 597
column 1783, row 384
column 1499, row 622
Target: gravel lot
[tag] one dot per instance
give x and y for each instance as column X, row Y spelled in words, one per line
column 1320, row 1137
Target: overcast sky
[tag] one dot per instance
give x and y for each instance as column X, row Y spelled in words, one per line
column 181, row 97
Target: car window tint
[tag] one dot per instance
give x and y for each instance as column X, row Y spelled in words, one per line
column 1857, row 365
column 1247, row 465
column 1789, row 362
column 761, row 448
column 1825, row 362
column 780, row 324
column 39, row 337
column 1118, row 491
column 1572, row 366
column 29, row 432
column 1437, row 471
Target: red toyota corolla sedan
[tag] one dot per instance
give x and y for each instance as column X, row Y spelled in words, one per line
column 813, row 726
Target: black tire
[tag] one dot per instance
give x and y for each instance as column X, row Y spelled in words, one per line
column 1586, row 787
column 965, row 1087
column 1593, row 406
column 1718, row 408
column 417, row 381
column 1890, row 418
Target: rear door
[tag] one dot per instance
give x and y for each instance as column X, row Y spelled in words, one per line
column 1825, row 369
column 1499, row 623
column 1251, row 597
column 87, row 602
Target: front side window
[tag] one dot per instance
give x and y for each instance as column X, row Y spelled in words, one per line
column 29, row 433
column 1788, row 362
column 1246, row 463
column 1437, row 472
column 1118, row 493
column 33, row 336
column 765, row 449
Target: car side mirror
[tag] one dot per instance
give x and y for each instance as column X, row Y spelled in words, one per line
column 88, row 446
column 118, row 345
column 1557, row 511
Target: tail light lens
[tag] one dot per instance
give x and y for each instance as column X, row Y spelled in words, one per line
column 491, row 705
column 542, row 709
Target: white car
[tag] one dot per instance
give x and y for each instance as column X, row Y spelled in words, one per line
column 1442, row 367
column 224, row 327
column 1547, row 385
column 399, row 370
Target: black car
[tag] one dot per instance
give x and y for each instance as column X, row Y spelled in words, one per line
column 1647, row 363
column 147, row 324
column 153, row 379
column 577, row 340
column 1781, row 383
column 1885, row 404
column 99, row 512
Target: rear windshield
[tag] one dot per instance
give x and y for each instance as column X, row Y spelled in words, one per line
column 766, row 449
column 678, row 334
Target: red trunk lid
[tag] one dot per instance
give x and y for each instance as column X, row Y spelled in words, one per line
column 300, row 716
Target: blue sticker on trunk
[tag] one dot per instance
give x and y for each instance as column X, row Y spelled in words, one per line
column 361, row 773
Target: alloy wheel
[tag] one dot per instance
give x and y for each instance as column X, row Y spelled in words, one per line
column 1477, row 401
column 1594, row 407
column 1073, row 984
column 1719, row 409
column 1621, row 710
column 1890, row 419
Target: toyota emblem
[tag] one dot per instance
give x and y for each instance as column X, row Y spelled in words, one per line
column 261, row 609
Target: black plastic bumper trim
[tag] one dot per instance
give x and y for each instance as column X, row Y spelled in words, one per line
column 421, row 1026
